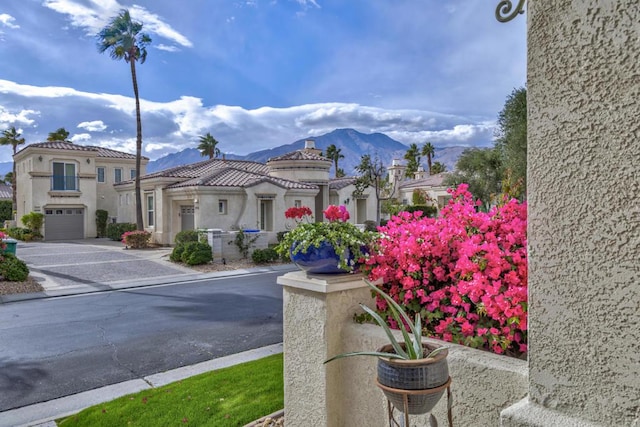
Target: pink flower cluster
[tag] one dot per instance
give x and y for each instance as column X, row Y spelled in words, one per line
column 464, row 271
column 336, row 213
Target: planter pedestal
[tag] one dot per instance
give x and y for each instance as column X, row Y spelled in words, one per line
column 403, row 396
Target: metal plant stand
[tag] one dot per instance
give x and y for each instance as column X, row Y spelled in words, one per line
column 403, row 420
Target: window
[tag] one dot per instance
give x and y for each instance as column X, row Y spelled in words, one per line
column 222, row 207
column 100, row 173
column 133, row 174
column 117, row 175
column 150, row 222
column 64, row 177
column 297, row 203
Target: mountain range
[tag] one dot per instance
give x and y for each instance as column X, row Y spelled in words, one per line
column 353, row 146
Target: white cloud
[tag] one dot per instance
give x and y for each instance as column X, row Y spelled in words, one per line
column 98, row 14
column 174, row 125
column 93, row 126
column 307, row 3
column 166, row 47
column 79, row 137
column 8, row 21
column 9, row 118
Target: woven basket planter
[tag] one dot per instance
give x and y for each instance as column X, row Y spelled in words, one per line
column 406, row 383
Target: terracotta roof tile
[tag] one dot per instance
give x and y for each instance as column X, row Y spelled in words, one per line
column 299, row 155
column 100, row 151
column 340, row 183
column 430, row 181
column 206, row 168
column 234, row 177
column 6, row 193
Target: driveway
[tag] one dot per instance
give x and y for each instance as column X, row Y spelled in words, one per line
column 95, row 264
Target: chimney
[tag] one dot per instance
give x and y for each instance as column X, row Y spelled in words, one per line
column 309, row 144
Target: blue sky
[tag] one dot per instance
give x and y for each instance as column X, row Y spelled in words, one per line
column 260, row 73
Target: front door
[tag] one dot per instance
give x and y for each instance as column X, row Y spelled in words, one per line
column 186, row 213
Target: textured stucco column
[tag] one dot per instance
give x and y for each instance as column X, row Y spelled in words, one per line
column 316, row 309
column 584, row 214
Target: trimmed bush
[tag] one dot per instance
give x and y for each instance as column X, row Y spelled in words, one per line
column 115, row 231
column 264, row 256
column 176, row 254
column 12, row 268
column 427, row 210
column 136, row 239
column 185, row 236
column 196, row 253
column 101, row 222
column 23, row 234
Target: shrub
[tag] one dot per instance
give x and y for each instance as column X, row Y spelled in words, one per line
column 176, row 254
column 101, row 222
column 185, row 236
column 465, row 272
column 196, row 253
column 23, row 234
column 244, row 242
column 137, row 239
column 6, row 212
column 115, row 231
column 12, row 268
column 33, row 221
column 264, row 256
column 280, row 235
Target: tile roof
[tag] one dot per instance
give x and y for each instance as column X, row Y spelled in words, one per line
column 206, row 168
column 230, row 176
column 430, row 181
column 6, row 193
column 299, row 155
column 100, row 151
column 340, row 183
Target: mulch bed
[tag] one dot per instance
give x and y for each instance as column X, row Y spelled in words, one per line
column 28, row 286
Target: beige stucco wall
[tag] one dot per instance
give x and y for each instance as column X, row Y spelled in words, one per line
column 584, row 216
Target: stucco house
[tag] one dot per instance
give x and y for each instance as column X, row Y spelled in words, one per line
column 431, row 185
column 236, row 194
column 68, row 182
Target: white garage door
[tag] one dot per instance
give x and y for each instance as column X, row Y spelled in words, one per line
column 64, row 224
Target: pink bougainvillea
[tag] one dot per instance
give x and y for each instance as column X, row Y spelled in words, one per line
column 465, row 272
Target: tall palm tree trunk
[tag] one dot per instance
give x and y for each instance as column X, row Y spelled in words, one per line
column 139, row 222
column 14, row 188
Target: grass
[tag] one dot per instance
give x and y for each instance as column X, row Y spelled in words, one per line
column 231, row 396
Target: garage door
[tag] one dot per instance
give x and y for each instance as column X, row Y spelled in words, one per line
column 64, row 224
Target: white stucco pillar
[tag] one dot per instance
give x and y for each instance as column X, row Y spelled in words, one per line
column 316, row 309
column 584, row 214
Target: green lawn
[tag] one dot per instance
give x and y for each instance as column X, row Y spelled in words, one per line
column 232, row 396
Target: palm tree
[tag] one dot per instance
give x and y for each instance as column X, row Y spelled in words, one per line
column 208, row 146
column 430, row 151
column 123, row 38
column 412, row 156
column 333, row 153
column 438, row 168
column 59, row 134
column 12, row 137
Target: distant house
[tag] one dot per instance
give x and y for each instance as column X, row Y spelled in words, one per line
column 430, row 185
column 237, row 194
column 68, row 182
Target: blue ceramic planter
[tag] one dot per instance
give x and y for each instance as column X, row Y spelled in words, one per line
column 322, row 260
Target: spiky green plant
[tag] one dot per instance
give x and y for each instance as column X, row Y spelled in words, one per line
column 411, row 333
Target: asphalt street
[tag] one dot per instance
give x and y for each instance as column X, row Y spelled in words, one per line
column 55, row 347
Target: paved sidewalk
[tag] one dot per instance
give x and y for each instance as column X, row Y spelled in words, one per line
column 43, row 414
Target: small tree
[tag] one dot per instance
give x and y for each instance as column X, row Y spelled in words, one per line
column 373, row 174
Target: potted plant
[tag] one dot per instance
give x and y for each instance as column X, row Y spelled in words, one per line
column 413, row 375
column 330, row 247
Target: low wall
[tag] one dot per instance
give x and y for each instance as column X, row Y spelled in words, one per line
column 318, row 324
column 223, row 243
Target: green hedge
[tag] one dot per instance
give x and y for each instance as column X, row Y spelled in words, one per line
column 192, row 253
column 101, row 222
column 6, row 213
column 12, row 268
column 115, row 231
column 264, row 256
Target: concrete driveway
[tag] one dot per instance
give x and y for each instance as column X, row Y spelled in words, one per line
column 96, row 264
